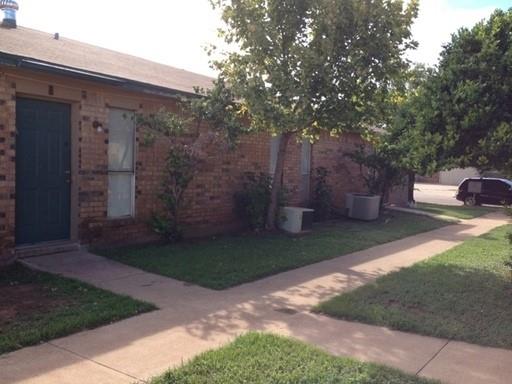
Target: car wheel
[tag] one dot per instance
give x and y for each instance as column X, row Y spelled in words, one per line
column 470, row 201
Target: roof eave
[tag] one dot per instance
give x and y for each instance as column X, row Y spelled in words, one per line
column 81, row 74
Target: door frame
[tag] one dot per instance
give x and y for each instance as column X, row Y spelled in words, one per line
column 29, row 90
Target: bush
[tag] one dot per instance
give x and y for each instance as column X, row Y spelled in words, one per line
column 253, row 201
column 322, row 196
column 379, row 168
column 180, row 167
column 251, row 204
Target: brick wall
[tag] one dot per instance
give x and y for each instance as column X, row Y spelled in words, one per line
column 7, row 169
column 209, row 197
column 92, row 175
column 344, row 175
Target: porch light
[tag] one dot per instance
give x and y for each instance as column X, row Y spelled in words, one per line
column 97, row 126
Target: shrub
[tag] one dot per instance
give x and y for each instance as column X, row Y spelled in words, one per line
column 378, row 168
column 180, row 168
column 253, row 201
column 322, row 195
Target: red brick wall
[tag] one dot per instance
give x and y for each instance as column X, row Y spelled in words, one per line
column 7, row 169
column 344, row 175
column 92, row 167
column 209, row 197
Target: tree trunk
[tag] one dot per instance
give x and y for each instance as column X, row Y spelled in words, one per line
column 410, row 187
column 277, row 182
column 384, row 194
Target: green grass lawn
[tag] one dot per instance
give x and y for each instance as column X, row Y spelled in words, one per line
column 457, row 211
column 267, row 359
column 227, row 261
column 463, row 294
column 37, row 307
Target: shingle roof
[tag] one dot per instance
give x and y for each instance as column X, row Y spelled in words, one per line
column 36, row 45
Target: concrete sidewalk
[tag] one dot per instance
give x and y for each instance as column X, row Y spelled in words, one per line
column 194, row 319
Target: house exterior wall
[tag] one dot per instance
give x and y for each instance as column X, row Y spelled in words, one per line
column 209, row 198
column 7, row 168
column 344, row 175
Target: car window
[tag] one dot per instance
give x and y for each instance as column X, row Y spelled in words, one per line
column 464, row 185
column 504, row 186
column 495, row 186
column 475, row 186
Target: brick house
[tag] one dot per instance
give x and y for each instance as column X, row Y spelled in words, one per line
column 72, row 170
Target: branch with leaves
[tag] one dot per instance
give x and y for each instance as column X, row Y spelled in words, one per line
column 200, row 126
column 302, row 68
column 379, row 168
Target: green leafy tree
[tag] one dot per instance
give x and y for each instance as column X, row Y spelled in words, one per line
column 379, row 166
column 462, row 116
column 389, row 161
column 401, row 141
column 302, row 67
column 225, row 116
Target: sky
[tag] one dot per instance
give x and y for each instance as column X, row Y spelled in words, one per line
column 175, row 32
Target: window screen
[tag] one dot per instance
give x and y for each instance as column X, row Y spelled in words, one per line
column 274, row 148
column 305, row 158
column 121, row 175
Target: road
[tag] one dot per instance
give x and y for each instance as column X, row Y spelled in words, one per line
column 436, row 194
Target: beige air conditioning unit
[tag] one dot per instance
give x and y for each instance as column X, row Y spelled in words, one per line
column 296, row 219
column 363, row 206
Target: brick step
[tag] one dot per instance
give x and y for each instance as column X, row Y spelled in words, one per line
column 46, row 249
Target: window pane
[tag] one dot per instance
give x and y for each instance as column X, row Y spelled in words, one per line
column 121, row 140
column 120, row 189
column 305, row 158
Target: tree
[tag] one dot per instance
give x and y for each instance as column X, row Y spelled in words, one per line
column 380, row 166
column 395, row 154
column 462, row 115
column 302, row 67
column 401, row 140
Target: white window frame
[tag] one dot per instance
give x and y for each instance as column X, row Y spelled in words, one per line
column 132, row 172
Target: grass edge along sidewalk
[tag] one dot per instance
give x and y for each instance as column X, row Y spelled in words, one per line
column 39, row 306
column 462, row 294
column 228, row 261
column 461, row 212
column 265, row 358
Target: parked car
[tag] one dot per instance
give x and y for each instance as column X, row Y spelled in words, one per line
column 483, row 190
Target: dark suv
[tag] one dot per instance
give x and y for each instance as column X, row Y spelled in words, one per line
column 477, row 191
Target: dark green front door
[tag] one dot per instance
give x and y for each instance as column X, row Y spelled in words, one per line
column 42, row 171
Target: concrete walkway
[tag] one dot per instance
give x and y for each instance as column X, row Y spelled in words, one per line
column 194, row 319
